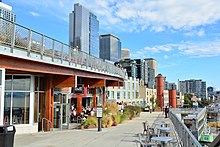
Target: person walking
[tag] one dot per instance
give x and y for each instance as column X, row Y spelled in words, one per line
column 166, row 111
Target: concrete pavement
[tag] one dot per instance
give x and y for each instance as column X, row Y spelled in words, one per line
column 123, row 135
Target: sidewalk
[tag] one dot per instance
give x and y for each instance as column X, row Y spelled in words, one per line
column 123, row 135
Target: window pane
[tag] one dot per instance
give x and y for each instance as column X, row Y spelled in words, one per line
column 7, row 107
column 42, row 85
column 21, row 107
column 0, row 77
column 21, row 83
column 36, row 107
column 36, row 84
column 8, row 82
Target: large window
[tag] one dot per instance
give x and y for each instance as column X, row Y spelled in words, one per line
column 17, row 99
column 0, row 77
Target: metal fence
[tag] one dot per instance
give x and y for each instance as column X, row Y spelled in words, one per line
column 17, row 36
column 186, row 137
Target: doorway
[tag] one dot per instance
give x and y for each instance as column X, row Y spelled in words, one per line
column 61, row 111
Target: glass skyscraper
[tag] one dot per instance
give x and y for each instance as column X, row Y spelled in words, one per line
column 110, row 47
column 84, row 30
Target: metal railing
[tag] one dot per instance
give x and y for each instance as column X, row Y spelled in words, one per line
column 47, row 123
column 36, row 44
column 186, row 137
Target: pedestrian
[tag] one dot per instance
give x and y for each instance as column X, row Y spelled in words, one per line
column 150, row 108
column 166, row 111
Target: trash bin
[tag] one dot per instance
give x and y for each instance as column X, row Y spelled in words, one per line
column 7, row 136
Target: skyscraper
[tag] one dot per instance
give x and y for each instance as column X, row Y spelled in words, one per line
column 6, row 12
column 125, row 53
column 110, row 47
column 150, row 71
column 198, row 87
column 84, row 30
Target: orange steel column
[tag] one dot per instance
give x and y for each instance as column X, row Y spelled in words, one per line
column 103, row 96
column 79, row 104
column 49, row 103
column 160, row 89
column 94, row 97
column 172, row 98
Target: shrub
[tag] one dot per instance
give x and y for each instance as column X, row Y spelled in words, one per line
column 117, row 118
column 92, row 120
column 111, row 108
column 107, row 121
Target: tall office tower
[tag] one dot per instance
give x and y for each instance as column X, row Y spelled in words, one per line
column 125, row 53
column 110, row 47
column 84, row 30
column 169, row 86
column 197, row 87
column 6, row 12
column 140, row 65
column 130, row 66
column 150, row 71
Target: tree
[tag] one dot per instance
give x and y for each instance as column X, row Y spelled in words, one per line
column 187, row 100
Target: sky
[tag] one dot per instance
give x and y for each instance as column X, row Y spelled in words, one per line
column 183, row 36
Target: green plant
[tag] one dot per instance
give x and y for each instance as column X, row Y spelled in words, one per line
column 117, row 118
column 90, row 121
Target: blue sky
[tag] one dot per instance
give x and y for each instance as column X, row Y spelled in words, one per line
column 183, row 36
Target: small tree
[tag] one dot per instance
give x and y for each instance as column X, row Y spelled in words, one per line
column 187, row 100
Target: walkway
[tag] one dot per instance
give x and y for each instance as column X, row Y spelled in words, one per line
column 123, row 135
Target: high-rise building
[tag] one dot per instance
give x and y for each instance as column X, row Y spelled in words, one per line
column 169, row 86
column 84, row 30
column 150, row 71
column 130, row 66
column 110, row 47
column 197, row 87
column 125, row 53
column 6, row 12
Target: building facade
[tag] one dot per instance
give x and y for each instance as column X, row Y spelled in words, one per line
column 6, row 12
column 84, row 30
column 125, row 53
column 169, row 86
column 130, row 65
column 197, row 87
column 110, row 47
column 150, row 72
column 129, row 93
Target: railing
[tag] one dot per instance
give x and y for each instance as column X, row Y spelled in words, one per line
column 186, row 137
column 47, row 123
column 37, row 44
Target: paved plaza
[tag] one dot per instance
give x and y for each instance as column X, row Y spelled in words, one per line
column 123, row 135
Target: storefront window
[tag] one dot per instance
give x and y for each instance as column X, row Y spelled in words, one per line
column 21, row 107
column 8, row 82
column 0, row 77
column 7, row 108
column 21, row 83
column 17, row 99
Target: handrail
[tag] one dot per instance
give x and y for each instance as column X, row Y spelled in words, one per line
column 39, row 46
column 47, row 120
column 186, row 137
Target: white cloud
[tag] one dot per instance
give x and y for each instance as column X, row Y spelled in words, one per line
column 166, row 57
column 138, row 15
column 35, row 14
column 191, row 49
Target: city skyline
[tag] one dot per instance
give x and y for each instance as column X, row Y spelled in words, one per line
column 184, row 40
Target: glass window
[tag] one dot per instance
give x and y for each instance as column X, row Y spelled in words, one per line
column 7, row 107
column 36, row 101
column 21, row 107
column 8, row 82
column 118, row 95
column 21, row 83
column 0, row 77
